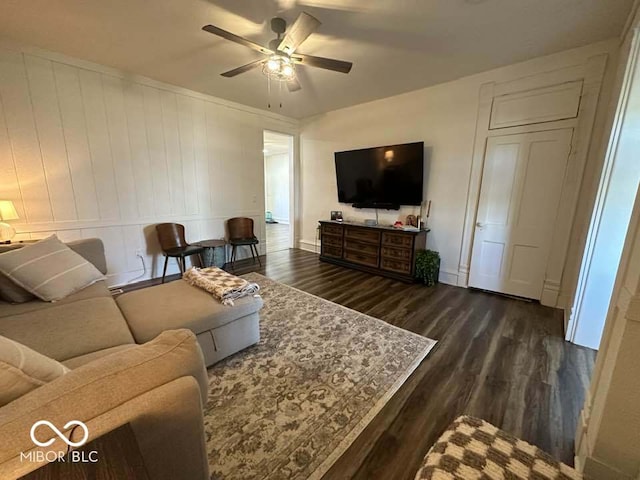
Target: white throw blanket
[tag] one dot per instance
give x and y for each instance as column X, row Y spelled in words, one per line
column 224, row 286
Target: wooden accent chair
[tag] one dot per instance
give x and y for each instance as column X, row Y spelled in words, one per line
column 173, row 244
column 241, row 234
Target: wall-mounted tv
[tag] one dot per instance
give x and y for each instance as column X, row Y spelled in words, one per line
column 381, row 177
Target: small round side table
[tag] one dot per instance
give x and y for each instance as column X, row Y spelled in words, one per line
column 213, row 255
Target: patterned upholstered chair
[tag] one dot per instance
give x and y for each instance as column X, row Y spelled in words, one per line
column 474, row 449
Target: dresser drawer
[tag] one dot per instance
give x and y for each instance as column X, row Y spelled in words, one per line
column 362, row 235
column 331, row 251
column 361, row 258
column 359, row 247
column 397, row 253
column 396, row 265
column 332, row 240
column 332, row 229
column 397, row 240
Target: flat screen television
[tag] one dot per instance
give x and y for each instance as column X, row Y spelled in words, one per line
column 381, row 177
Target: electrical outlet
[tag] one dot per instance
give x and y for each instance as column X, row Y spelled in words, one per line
column 139, row 252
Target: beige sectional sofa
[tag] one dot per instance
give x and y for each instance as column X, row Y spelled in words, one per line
column 136, row 361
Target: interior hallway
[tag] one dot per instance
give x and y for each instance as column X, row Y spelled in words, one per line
column 277, row 237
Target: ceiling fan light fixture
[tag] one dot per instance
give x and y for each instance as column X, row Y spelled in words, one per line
column 279, row 67
column 273, row 64
column 281, row 57
column 287, row 71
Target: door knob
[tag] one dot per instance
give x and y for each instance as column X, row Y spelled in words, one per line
column 480, row 225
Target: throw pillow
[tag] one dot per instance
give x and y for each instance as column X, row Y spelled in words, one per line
column 10, row 292
column 49, row 269
column 23, row 369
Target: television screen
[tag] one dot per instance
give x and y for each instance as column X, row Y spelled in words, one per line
column 381, row 176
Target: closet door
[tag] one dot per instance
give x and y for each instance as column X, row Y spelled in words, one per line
column 519, row 198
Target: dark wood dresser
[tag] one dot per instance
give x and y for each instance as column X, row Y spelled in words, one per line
column 381, row 250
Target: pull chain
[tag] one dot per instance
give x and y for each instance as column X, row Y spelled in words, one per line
column 269, row 92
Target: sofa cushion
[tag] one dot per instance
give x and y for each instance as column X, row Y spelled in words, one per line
column 179, row 305
column 10, row 292
column 49, row 269
column 98, row 289
column 76, row 362
column 23, row 369
column 70, row 330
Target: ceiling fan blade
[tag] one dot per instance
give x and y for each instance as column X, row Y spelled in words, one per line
column 235, row 38
column 242, row 69
column 294, row 85
column 304, row 26
column 321, row 62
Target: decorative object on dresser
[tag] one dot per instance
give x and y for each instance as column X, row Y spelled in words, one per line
column 386, row 251
column 336, row 216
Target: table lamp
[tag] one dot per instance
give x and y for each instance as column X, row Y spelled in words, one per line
column 7, row 212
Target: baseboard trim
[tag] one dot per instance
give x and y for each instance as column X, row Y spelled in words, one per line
column 448, row 277
column 463, row 276
column 308, row 246
column 550, row 292
column 594, row 468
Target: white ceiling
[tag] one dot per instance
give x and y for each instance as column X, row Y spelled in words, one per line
column 395, row 45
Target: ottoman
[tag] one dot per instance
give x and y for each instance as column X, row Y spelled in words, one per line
column 221, row 330
column 472, row 449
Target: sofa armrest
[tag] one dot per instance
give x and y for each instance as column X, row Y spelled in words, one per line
column 159, row 388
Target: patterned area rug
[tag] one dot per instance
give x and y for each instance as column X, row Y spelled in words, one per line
column 288, row 407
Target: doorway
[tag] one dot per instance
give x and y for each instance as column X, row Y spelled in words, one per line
column 611, row 216
column 278, row 162
column 520, row 194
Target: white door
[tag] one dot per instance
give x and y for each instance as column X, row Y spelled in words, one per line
column 519, row 197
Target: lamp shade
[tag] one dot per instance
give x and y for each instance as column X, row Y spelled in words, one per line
column 8, row 210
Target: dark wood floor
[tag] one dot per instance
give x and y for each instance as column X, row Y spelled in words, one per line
column 499, row 359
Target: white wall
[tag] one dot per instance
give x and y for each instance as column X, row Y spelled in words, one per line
column 610, row 220
column 444, row 117
column 86, row 151
column 277, row 186
column 608, row 433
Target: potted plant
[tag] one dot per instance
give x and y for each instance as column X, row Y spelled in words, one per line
column 428, row 267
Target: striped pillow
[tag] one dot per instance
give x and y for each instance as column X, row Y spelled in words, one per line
column 23, row 370
column 12, row 293
column 49, row 269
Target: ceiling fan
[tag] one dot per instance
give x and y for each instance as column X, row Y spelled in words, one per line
column 281, row 53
